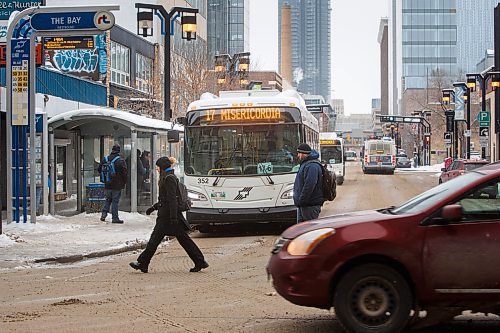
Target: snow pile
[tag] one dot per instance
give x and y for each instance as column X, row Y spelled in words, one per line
column 6, row 241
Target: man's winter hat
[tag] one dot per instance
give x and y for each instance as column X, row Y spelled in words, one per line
column 116, row 148
column 163, row 163
column 304, row 148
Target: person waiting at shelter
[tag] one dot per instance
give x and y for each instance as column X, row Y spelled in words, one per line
column 113, row 171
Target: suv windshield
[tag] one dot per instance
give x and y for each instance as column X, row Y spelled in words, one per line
column 429, row 198
column 472, row 166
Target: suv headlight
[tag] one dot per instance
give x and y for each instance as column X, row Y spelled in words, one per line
column 196, row 196
column 287, row 194
column 305, row 243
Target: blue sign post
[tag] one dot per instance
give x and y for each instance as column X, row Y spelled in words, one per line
column 20, row 77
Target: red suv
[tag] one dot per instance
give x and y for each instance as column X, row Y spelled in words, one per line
column 437, row 252
column 459, row 167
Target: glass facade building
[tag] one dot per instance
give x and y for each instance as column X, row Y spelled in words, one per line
column 429, row 41
column 475, row 32
column 227, row 26
column 310, row 34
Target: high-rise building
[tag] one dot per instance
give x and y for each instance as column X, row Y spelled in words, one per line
column 474, row 32
column 310, row 41
column 338, row 106
column 227, row 27
column 422, row 44
column 429, row 41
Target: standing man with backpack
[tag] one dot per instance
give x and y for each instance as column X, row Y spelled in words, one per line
column 308, row 186
column 113, row 171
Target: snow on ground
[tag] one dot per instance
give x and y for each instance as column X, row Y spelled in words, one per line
column 436, row 168
column 57, row 236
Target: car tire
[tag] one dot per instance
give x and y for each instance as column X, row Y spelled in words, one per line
column 373, row 298
column 440, row 181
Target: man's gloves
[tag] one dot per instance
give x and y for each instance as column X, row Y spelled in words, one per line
column 150, row 210
column 153, row 208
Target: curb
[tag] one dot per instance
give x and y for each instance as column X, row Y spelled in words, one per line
column 96, row 254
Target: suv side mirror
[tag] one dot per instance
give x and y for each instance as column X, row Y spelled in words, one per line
column 443, row 169
column 452, row 213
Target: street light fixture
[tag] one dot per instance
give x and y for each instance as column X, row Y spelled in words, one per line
column 145, row 28
column 483, row 77
column 237, row 65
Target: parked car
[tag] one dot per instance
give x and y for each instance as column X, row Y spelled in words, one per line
column 403, row 162
column 437, row 252
column 458, row 167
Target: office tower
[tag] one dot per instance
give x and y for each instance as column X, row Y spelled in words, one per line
column 227, row 25
column 474, row 32
column 310, row 40
column 429, row 40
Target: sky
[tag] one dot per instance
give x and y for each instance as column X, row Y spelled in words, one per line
column 355, row 50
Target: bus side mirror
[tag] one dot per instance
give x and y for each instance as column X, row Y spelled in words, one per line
column 173, row 136
column 181, row 120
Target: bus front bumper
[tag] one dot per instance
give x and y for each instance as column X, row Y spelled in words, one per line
column 218, row 216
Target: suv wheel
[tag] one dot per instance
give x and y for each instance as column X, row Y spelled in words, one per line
column 373, row 298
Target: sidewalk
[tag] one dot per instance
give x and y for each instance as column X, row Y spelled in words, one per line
column 60, row 239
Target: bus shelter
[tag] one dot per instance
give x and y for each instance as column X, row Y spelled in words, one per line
column 80, row 139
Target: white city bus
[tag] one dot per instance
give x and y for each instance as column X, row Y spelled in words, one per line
column 379, row 156
column 240, row 156
column 332, row 154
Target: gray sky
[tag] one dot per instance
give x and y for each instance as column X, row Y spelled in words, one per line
column 355, row 50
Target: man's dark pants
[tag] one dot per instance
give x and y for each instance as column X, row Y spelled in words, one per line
column 308, row 213
column 163, row 229
column 112, row 199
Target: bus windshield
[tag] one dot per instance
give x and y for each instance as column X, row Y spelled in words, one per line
column 260, row 149
column 380, row 148
column 331, row 154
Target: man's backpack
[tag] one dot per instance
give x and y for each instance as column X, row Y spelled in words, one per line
column 183, row 201
column 329, row 183
column 108, row 169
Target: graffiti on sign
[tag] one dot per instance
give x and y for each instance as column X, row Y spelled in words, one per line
column 85, row 63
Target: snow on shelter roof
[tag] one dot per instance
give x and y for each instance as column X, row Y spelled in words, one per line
column 123, row 117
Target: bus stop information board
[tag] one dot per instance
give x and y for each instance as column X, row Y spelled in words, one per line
column 68, row 43
column 20, row 80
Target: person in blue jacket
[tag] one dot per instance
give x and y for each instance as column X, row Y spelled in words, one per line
column 307, row 189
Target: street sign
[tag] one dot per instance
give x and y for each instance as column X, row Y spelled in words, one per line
column 484, row 131
column 467, row 133
column 447, row 138
column 102, row 20
column 484, row 118
column 459, row 103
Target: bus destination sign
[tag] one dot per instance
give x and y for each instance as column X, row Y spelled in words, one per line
column 69, row 43
column 329, row 142
column 243, row 114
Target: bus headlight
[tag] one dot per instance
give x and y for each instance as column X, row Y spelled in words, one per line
column 287, row 194
column 305, row 243
column 196, row 196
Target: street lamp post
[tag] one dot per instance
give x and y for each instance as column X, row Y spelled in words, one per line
column 145, row 28
column 448, row 94
column 483, row 77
